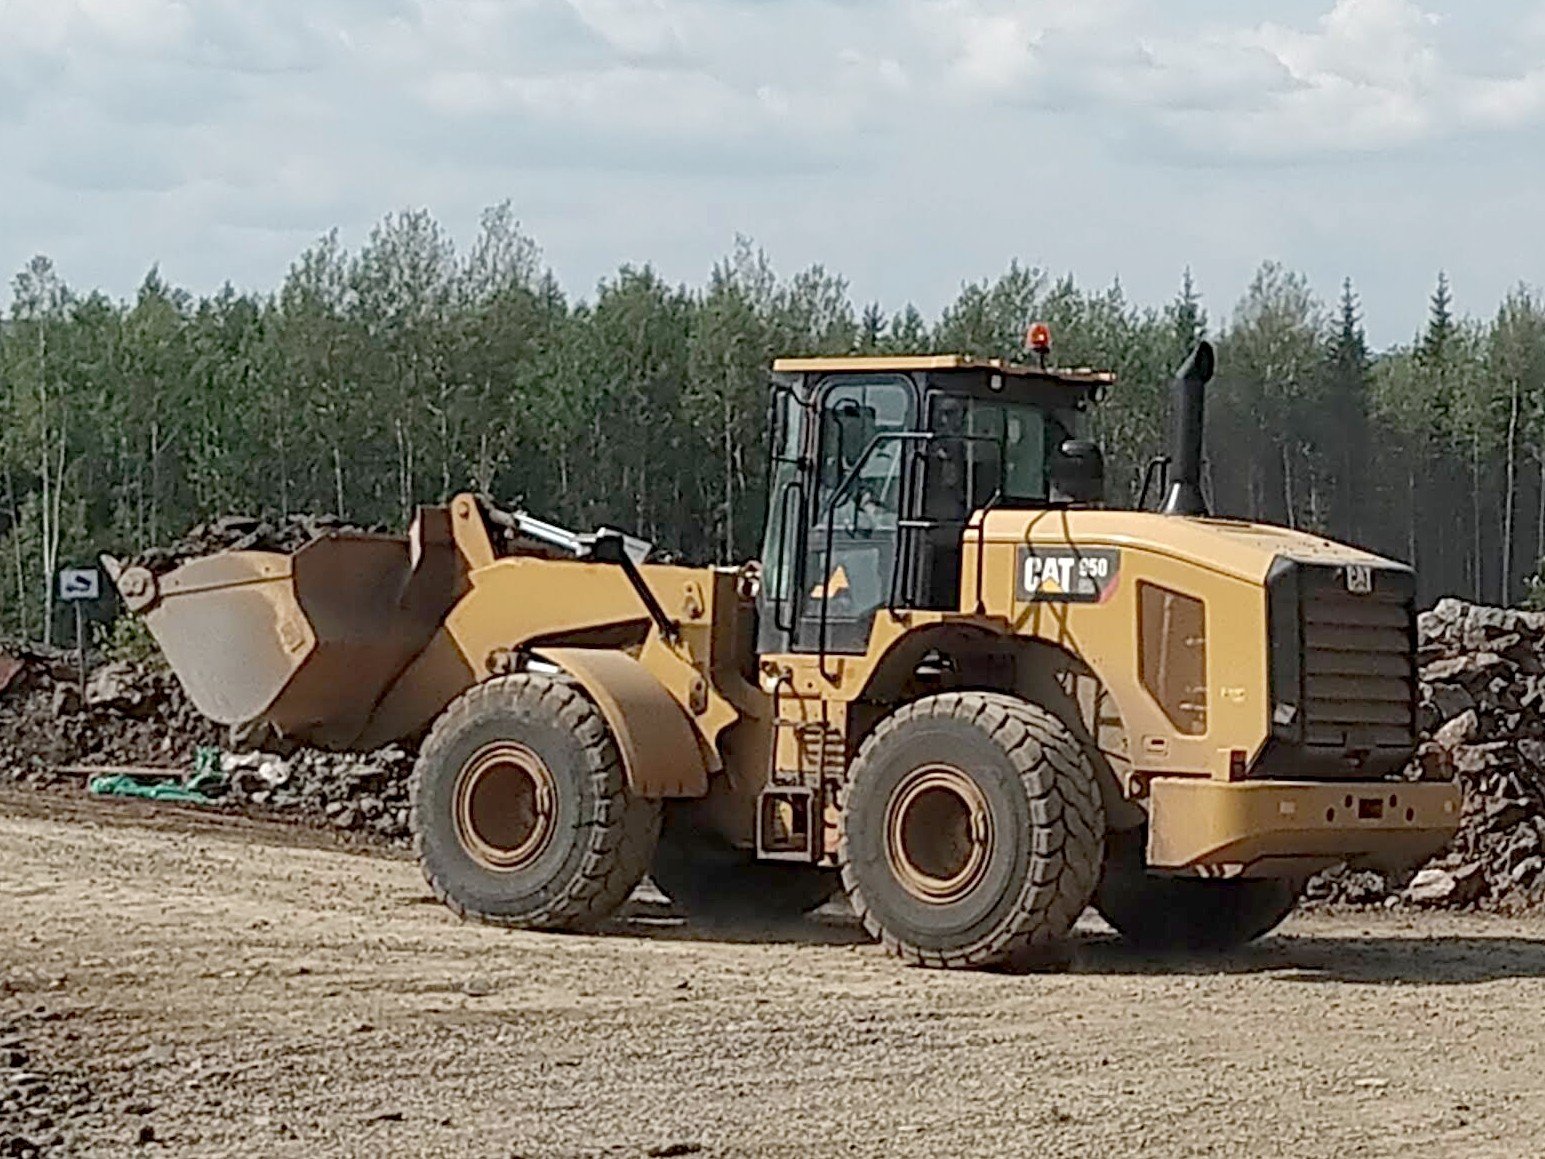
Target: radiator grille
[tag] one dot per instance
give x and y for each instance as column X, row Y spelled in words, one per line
column 1343, row 670
column 1358, row 670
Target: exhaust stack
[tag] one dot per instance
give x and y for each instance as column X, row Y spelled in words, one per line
column 1185, row 492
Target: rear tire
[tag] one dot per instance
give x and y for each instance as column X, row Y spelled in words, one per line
column 972, row 831
column 1186, row 914
column 709, row 878
column 521, row 812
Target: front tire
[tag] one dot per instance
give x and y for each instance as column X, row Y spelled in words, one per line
column 521, row 811
column 972, row 831
column 1186, row 914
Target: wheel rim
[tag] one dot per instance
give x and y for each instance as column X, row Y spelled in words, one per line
column 505, row 806
column 938, row 833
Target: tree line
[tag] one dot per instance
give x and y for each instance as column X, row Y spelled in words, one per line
column 397, row 373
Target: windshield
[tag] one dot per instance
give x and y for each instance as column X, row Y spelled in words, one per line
column 1008, row 444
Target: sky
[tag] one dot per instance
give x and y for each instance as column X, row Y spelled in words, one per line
column 910, row 145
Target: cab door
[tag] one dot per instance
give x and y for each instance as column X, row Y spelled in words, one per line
column 861, row 463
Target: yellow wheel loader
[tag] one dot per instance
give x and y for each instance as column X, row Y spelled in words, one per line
column 956, row 686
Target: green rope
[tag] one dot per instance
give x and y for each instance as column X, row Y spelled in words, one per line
column 207, row 773
column 126, row 786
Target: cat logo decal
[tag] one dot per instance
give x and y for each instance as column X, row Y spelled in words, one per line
column 1067, row 575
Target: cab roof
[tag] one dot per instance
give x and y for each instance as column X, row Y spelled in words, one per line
column 908, row 363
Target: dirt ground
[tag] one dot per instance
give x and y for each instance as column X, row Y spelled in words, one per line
column 222, row 987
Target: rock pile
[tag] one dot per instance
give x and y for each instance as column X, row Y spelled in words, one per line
column 1482, row 722
column 289, row 533
column 355, row 792
column 242, row 533
column 129, row 713
column 134, row 714
column 1483, row 714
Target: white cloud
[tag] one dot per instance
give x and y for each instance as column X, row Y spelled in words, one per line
column 1384, row 44
column 1369, row 75
column 644, row 129
column 101, row 25
column 995, row 51
column 1364, row 75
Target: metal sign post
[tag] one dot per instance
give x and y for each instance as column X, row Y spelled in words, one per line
column 77, row 586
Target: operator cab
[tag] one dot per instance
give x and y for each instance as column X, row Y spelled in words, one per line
column 878, row 464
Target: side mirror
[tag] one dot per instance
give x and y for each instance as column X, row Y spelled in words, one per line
column 849, row 429
column 856, row 428
column 1077, row 474
column 608, row 547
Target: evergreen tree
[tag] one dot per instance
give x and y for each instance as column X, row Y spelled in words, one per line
column 375, row 379
column 1440, row 323
column 871, row 329
column 1344, row 431
column 1187, row 319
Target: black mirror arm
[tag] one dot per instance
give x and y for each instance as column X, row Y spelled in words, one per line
column 609, row 548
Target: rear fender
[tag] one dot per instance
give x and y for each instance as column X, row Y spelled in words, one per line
column 661, row 749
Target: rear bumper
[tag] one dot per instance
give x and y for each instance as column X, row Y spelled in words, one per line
column 1294, row 828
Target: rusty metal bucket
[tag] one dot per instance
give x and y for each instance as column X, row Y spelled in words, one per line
column 307, row 643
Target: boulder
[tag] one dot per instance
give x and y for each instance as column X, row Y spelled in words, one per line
column 1443, row 887
column 1461, row 730
column 1449, row 700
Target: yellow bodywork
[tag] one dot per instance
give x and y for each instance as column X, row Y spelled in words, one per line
column 1224, row 826
column 1222, row 563
column 1282, row 828
column 357, row 641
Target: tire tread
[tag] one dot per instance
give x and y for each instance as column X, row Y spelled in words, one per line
column 1059, row 786
column 619, row 837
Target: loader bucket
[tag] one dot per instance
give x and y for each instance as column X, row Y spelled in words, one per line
column 306, row 643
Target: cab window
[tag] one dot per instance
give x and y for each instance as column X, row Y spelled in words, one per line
column 1006, row 448
column 853, row 415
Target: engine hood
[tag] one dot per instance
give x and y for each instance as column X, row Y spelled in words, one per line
column 1229, row 547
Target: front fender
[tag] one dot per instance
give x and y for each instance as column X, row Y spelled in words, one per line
column 661, row 750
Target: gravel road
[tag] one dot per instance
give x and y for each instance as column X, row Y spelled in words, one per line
column 173, row 984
